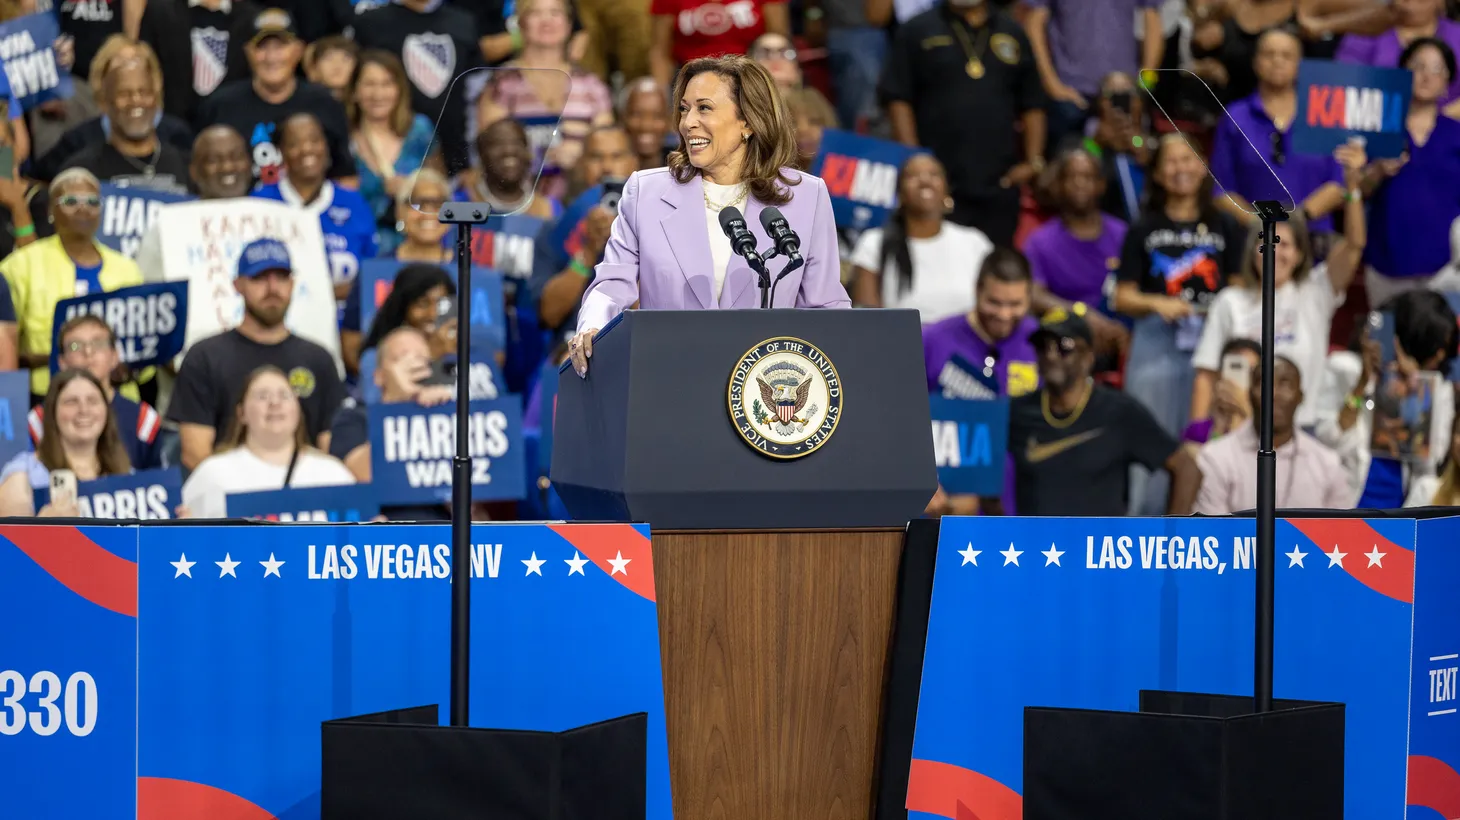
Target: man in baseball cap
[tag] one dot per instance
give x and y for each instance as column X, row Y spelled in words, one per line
column 264, row 256
column 273, row 23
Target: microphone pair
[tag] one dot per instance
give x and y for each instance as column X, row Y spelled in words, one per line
column 742, row 242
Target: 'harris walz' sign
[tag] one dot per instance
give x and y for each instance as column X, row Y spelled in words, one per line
column 127, row 213
column 149, row 321
column 861, row 177
column 411, row 448
column 1338, row 101
column 30, row 62
column 349, row 503
column 150, row 495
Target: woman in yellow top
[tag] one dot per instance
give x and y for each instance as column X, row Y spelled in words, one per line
column 70, row 263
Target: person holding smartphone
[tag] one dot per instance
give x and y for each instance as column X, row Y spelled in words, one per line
column 1121, row 144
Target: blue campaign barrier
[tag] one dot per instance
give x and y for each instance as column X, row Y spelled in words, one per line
column 186, row 670
column 1086, row 613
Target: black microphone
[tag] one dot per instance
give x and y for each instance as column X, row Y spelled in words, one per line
column 787, row 243
column 732, row 222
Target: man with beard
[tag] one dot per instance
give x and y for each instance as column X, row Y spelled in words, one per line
column 216, row 368
column 1074, row 441
column 132, row 155
column 219, row 170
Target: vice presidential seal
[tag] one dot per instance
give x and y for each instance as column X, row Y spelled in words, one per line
column 785, row 397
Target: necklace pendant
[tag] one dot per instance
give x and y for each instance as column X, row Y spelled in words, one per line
column 975, row 68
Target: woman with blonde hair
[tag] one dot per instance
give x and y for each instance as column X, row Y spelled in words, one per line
column 737, row 149
column 79, row 433
column 266, row 448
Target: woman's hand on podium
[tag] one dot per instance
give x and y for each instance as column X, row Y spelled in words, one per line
column 580, row 350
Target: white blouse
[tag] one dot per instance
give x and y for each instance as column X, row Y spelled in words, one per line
column 206, row 491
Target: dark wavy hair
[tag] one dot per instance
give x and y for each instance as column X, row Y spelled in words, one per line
column 111, row 456
column 411, row 283
column 772, row 144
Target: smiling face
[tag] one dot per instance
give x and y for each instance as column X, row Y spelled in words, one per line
column 1080, row 184
column 710, row 125
column 606, row 153
column 274, row 59
column 546, row 24
column 270, row 407
column 1289, row 256
column 1180, row 171
column 376, row 93
column 647, row 121
column 778, row 56
column 422, row 314
column 76, row 208
column 505, row 154
column 220, row 166
column 924, row 188
column 306, row 151
column 333, row 68
column 130, row 100
column 81, row 413
column 422, row 226
column 89, row 346
column 1431, row 74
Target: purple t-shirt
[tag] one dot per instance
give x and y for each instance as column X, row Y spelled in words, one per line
column 1235, row 164
column 1013, row 360
column 1383, row 51
column 1073, row 268
column 1091, row 38
column 1410, row 215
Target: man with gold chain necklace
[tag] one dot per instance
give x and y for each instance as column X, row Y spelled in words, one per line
column 1073, row 442
column 960, row 78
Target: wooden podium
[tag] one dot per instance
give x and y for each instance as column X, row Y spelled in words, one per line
column 775, row 575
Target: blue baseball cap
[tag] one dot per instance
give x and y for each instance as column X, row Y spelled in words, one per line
column 262, row 256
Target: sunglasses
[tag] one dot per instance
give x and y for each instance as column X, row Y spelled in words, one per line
column 72, row 200
column 1279, row 156
column 1064, row 345
column 788, row 54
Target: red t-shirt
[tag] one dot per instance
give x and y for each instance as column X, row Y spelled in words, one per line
column 704, row 28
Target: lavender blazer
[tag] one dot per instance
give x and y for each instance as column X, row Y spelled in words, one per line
column 658, row 252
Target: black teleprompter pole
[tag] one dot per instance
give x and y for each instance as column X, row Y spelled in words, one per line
column 1271, row 213
column 463, row 215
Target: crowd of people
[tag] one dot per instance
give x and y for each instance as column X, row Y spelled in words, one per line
column 1058, row 228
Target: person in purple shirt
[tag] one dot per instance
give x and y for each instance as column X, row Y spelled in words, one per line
column 1413, row 20
column 1415, row 198
column 1074, row 256
column 1254, row 142
column 994, row 336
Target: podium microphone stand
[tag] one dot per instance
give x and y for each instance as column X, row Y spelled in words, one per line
column 463, row 215
column 1271, row 213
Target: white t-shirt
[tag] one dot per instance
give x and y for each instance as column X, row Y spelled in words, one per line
column 1302, row 317
column 720, row 249
column 945, row 270
column 240, row 471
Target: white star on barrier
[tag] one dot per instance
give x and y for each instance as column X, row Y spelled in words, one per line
column 1011, row 555
column 183, row 566
column 576, row 563
column 1052, row 556
column 620, row 564
column 1335, row 558
column 227, row 566
column 534, row 565
column 970, row 555
column 1376, row 558
column 271, row 566
column 1295, row 558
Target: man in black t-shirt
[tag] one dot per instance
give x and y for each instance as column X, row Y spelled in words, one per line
column 216, row 30
column 133, row 155
column 436, row 43
column 216, row 369
column 1073, row 441
column 255, row 107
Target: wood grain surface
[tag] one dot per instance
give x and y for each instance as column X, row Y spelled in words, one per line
column 774, row 652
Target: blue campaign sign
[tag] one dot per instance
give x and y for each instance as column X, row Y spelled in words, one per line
column 68, row 672
column 352, row 503
column 149, row 495
column 127, row 213
column 411, row 448
column 30, row 62
column 505, row 244
column 861, row 176
column 1337, row 101
column 970, row 442
column 377, row 277
column 150, row 321
column 1086, row 613
column 14, row 404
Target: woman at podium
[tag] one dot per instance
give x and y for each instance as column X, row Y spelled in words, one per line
column 667, row 249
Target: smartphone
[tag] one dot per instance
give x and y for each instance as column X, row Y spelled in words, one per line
column 1122, row 101
column 7, row 162
column 613, row 190
column 1238, row 370
column 63, row 488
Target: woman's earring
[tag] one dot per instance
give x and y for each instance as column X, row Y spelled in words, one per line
column 400, row 226
column 948, row 204
column 745, row 138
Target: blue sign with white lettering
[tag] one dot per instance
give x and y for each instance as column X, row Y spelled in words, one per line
column 14, row 404
column 352, row 503
column 30, row 60
column 970, row 442
column 150, row 321
column 1337, row 101
column 411, row 448
column 127, row 213
column 505, row 244
column 150, row 495
column 861, row 176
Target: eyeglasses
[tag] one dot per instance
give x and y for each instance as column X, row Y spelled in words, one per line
column 788, row 54
column 428, row 204
column 88, row 348
column 72, row 200
column 1279, row 156
column 1064, row 345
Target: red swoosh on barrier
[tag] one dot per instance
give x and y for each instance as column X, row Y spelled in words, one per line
column 1393, row 577
column 99, row 576
column 1434, row 784
column 960, row 794
column 161, row 798
column 601, row 542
